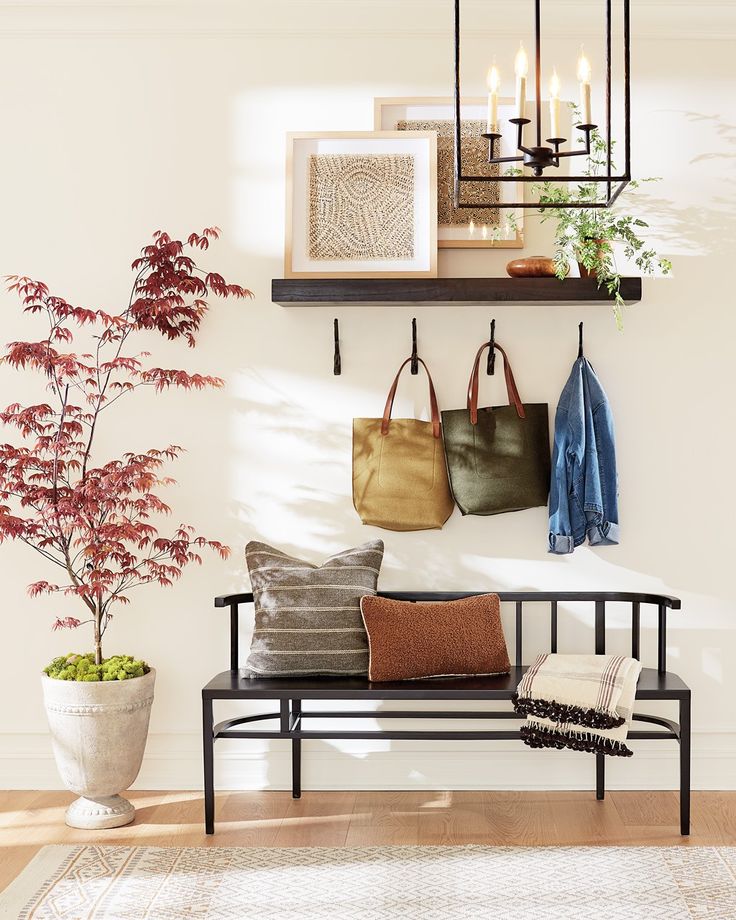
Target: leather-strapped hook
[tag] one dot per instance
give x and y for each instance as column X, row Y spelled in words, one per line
column 580, row 340
column 337, row 364
column 491, row 365
column 414, row 355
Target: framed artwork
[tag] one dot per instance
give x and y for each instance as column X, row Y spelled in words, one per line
column 361, row 204
column 462, row 228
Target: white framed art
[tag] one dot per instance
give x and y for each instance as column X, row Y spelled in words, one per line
column 361, row 204
column 462, row 228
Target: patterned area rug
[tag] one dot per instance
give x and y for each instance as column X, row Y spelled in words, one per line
column 417, row 883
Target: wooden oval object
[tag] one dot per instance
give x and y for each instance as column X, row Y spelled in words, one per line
column 531, row 267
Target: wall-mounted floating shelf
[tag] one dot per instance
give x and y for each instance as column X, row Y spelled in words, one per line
column 305, row 292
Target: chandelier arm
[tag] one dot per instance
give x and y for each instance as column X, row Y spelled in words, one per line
column 573, row 153
column 496, row 160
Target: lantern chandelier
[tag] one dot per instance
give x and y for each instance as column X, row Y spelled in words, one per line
column 544, row 155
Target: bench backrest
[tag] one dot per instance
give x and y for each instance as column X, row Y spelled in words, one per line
column 552, row 599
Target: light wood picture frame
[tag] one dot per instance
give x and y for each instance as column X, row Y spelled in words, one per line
column 390, row 111
column 325, row 207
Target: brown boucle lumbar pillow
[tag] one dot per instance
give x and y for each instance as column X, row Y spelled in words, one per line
column 409, row 640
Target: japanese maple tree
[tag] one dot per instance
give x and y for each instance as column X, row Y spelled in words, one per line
column 95, row 520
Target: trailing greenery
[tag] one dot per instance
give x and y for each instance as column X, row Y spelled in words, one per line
column 585, row 235
column 83, row 667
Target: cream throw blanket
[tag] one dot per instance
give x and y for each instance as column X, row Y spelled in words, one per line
column 583, row 702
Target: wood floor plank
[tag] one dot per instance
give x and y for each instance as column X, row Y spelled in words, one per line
column 456, row 819
column 714, row 818
column 29, row 820
column 318, row 819
column 520, row 819
column 588, row 823
column 386, row 818
column 642, row 809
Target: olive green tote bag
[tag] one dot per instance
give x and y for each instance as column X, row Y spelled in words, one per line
column 498, row 457
column 399, row 473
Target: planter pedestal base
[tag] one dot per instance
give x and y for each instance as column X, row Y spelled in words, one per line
column 99, row 813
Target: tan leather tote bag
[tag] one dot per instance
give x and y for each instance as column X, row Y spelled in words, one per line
column 399, row 471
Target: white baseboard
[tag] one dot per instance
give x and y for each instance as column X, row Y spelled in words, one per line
column 173, row 761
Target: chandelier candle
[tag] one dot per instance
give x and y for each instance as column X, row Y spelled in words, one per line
column 584, row 78
column 554, row 106
column 521, row 69
column 494, row 81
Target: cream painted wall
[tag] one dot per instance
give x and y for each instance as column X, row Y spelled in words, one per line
column 120, row 118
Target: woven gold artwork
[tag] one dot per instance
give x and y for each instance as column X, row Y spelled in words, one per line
column 361, row 206
column 475, row 162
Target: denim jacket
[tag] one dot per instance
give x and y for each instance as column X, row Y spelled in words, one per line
column 583, row 492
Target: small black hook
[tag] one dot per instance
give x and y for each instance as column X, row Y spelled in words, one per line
column 491, row 366
column 414, row 356
column 580, row 340
column 337, row 365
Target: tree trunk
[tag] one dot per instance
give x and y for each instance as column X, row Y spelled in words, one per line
column 98, row 633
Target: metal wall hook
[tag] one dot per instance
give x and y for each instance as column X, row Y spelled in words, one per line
column 580, row 340
column 491, row 365
column 337, row 364
column 414, row 355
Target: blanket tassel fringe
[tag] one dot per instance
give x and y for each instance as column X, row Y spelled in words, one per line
column 536, row 736
column 561, row 712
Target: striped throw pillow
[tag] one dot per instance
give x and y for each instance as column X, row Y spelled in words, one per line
column 308, row 617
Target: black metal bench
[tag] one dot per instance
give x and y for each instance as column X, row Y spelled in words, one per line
column 654, row 684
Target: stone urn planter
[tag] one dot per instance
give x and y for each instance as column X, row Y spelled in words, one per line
column 98, row 730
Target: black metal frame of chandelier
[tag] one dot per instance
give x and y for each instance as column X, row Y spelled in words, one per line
column 539, row 157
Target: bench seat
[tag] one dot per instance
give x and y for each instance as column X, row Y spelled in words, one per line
column 236, row 685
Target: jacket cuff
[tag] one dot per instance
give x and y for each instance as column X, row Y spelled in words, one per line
column 561, row 544
column 604, row 534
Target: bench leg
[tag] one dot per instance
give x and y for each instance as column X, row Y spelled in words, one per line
column 296, row 768
column 600, row 776
column 296, row 755
column 685, row 766
column 208, row 748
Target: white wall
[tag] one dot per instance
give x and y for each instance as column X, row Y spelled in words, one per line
column 120, row 118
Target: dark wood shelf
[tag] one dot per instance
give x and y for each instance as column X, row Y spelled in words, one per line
column 304, row 292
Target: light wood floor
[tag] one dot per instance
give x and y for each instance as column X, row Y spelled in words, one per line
column 28, row 820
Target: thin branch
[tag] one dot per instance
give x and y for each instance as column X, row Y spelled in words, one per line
column 58, row 441
column 43, row 552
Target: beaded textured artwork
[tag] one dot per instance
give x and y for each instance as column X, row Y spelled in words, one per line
column 475, row 162
column 361, row 206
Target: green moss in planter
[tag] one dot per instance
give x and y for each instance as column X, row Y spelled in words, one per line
column 83, row 667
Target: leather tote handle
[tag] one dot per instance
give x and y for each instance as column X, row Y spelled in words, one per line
column 511, row 390
column 435, row 409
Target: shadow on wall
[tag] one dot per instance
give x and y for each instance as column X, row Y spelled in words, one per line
column 301, row 502
column 707, row 228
